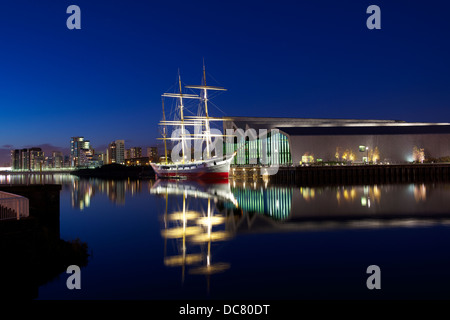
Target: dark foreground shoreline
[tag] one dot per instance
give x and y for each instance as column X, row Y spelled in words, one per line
column 31, row 248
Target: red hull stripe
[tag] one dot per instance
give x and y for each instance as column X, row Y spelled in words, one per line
column 207, row 175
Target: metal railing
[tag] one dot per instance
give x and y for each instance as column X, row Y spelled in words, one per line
column 13, row 206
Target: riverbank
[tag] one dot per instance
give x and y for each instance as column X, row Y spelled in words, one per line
column 32, row 251
column 116, row 171
column 32, row 256
column 349, row 174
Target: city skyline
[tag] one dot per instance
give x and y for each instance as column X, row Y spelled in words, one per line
column 292, row 59
column 80, row 154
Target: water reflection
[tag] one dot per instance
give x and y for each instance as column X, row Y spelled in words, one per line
column 82, row 190
column 202, row 225
column 194, row 221
column 362, row 201
column 63, row 179
column 279, row 203
column 199, row 217
column 275, row 202
column 420, row 193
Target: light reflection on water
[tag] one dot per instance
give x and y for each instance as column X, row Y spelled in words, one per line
column 195, row 222
column 278, row 202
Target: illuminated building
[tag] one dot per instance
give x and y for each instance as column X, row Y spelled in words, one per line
column 24, row 159
column 67, row 162
column 142, row 161
column 27, row 159
column 57, row 159
column 116, row 152
column 15, row 159
column 99, row 158
column 135, row 152
column 85, row 157
column 79, row 148
column 36, row 158
column 337, row 140
column 48, row 162
column 152, row 154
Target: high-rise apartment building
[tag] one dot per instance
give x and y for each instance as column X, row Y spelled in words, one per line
column 24, row 159
column 27, row 159
column 80, row 150
column 132, row 153
column 57, row 159
column 36, row 158
column 152, row 154
column 15, row 159
column 116, row 152
column 99, row 158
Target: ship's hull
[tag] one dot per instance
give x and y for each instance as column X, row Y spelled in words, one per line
column 209, row 169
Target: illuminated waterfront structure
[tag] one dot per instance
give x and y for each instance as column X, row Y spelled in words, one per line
column 36, row 158
column 79, row 151
column 16, row 159
column 152, row 154
column 142, row 161
column 99, row 158
column 134, row 152
column 57, row 159
column 116, row 152
column 27, row 159
column 24, row 160
column 297, row 141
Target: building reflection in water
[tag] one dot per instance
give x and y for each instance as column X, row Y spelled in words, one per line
column 367, row 195
column 198, row 217
column 255, row 197
column 420, row 192
column 274, row 202
column 249, row 207
column 83, row 190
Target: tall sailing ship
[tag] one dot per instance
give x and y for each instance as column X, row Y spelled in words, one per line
column 209, row 167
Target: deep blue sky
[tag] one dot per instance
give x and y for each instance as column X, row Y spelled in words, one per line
column 277, row 58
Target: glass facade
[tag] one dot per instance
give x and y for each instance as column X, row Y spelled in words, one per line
column 271, row 149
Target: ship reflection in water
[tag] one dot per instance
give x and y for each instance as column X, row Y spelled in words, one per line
column 195, row 220
column 198, row 217
column 226, row 239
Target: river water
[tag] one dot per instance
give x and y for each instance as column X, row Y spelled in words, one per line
column 252, row 240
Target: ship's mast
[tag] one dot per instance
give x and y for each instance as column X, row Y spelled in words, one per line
column 180, row 96
column 207, row 127
column 205, row 89
column 164, row 133
column 182, row 119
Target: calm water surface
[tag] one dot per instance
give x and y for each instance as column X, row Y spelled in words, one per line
column 184, row 240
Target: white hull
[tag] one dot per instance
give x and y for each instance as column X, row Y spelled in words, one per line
column 208, row 169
